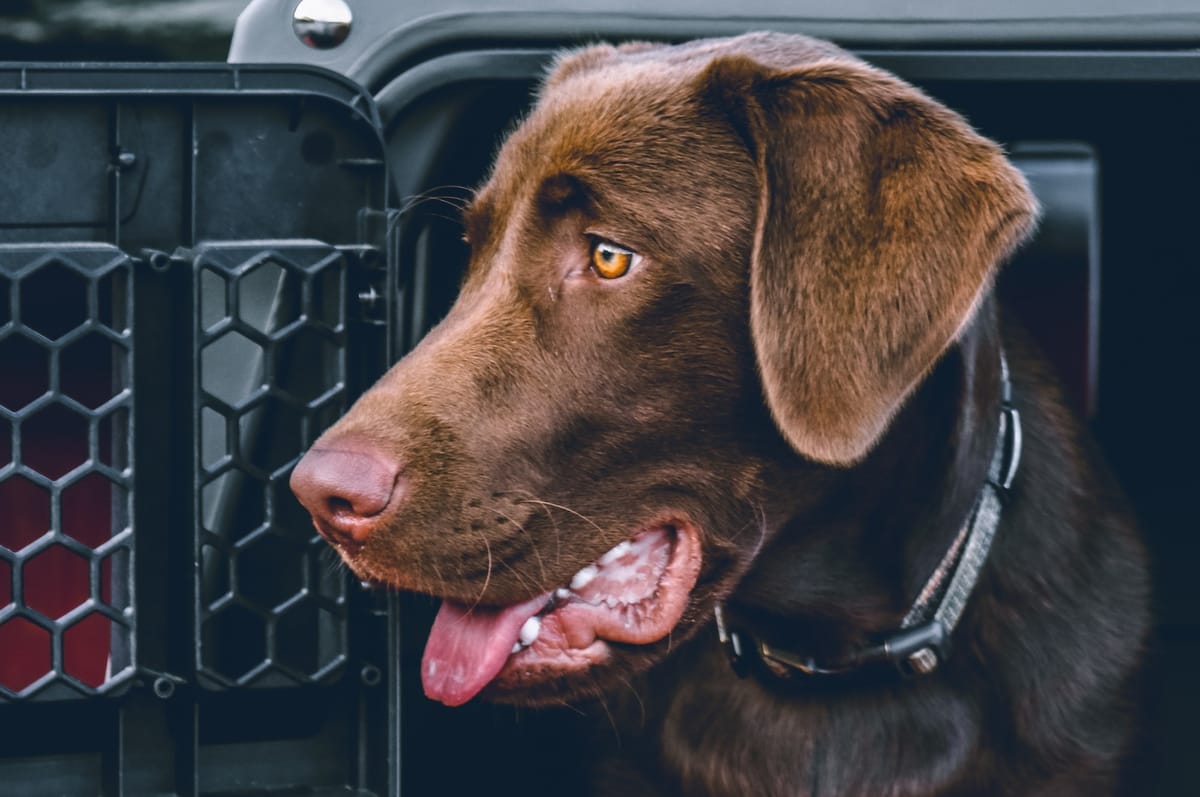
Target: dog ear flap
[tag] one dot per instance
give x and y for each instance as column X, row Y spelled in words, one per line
column 882, row 217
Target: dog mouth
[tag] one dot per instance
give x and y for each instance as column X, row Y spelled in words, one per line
column 634, row 594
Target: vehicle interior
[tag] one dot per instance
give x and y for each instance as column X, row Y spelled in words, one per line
column 203, row 264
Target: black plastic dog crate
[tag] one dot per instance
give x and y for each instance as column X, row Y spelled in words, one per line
column 181, row 252
column 201, row 266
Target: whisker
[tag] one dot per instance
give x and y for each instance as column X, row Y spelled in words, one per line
column 487, row 579
column 545, row 507
column 532, row 542
column 641, row 705
column 459, row 203
column 557, row 532
column 582, row 517
column 761, row 513
column 611, row 720
column 330, row 560
column 525, row 582
column 574, row 708
column 437, row 571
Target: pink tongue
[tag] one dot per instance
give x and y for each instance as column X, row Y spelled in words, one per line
column 467, row 647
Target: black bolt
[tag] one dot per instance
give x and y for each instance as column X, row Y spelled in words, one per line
column 370, row 675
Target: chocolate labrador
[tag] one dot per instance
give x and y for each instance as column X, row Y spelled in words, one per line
column 726, row 426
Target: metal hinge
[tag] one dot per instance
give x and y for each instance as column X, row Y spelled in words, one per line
column 163, row 684
column 161, row 261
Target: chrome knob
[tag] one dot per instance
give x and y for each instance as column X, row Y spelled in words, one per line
column 322, row 24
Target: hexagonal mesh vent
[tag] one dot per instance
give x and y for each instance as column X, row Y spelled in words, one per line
column 66, row 537
column 271, row 374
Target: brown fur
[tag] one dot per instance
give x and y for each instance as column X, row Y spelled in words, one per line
column 804, row 366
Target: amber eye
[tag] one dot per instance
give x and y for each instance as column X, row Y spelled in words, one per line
column 610, row 261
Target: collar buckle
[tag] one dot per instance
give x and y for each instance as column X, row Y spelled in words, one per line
column 731, row 642
column 919, row 650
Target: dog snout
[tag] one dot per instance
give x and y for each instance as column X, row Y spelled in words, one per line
column 346, row 485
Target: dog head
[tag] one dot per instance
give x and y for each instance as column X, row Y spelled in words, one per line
column 693, row 270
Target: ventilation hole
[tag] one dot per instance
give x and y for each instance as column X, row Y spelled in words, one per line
column 86, row 648
column 92, row 370
column 54, row 441
column 56, row 582
column 26, row 653
column 233, row 642
column 26, row 513
column 54, row 300
column 26, row 372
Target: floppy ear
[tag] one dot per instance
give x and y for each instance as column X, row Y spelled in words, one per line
column 882, row 217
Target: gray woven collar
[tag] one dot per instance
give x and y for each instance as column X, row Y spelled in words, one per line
column 922, row 641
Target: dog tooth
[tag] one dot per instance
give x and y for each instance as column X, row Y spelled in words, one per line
column 619, row 550
column 584, row 577
column 529, row 631
column 562, row 593
column 517, row 648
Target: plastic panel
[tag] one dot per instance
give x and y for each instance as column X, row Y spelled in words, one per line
column 385, row 34
column 271, row 374
column 66, row 487
column 180, row 248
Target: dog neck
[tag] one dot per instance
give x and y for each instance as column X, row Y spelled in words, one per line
column 849, row 567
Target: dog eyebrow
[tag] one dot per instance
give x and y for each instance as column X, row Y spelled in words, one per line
column 562, row 192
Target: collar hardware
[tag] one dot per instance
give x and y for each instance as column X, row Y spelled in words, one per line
column 922, row 643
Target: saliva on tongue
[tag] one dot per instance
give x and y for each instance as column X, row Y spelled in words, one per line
column 468, row 646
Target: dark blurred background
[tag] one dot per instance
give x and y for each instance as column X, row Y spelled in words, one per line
column 116, row 30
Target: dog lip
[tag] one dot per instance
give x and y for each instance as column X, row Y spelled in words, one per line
column 637, row 594
column 575, row 631
column 344, row 544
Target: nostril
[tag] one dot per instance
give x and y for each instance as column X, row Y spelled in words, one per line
column 345, row 484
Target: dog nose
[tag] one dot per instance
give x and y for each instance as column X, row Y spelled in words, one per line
column 345, row 484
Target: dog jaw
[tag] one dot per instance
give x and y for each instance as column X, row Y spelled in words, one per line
column 635, row 594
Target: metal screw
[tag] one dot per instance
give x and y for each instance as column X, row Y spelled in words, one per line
column 370, row 675
column 163, row 687
column 159, row 261
column 370, row 297
column 923, row 662
column 322, row 24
